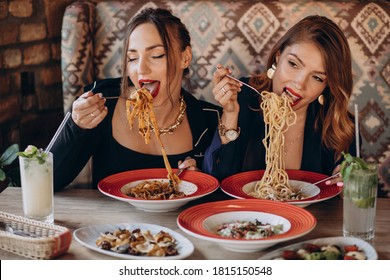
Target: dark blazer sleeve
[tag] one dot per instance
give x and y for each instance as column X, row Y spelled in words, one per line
column 224, row 160
column 221, row 160
column 74, row 145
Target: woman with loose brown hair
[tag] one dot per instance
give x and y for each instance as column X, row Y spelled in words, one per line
column 311, row 64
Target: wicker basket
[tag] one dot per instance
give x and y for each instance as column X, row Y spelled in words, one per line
column 32, row 239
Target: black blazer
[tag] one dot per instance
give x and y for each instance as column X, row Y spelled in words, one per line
column 248, row 152
column 75, row 146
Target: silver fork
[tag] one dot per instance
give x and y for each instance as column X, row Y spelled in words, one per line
column 59, row 129
column 245, row 84
column 179, row 171
column 327, row 178
column 114, row 97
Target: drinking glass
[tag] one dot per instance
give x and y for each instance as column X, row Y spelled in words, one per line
column 360, row 192
column 37, row 188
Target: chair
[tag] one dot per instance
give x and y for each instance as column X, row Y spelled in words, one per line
column 238, row 34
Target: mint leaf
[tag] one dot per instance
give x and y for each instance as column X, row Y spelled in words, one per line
column 33, row 152
column 361, row 188
column 351, row 163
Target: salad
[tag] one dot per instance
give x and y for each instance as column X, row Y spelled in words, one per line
column 324, row 252
column 248, row 230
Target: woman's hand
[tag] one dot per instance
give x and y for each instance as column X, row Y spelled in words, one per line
column 336, row 180
column 89, row 110
column 225, row 90
column 189, row 163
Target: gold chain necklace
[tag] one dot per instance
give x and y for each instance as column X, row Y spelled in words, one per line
column 179, row 120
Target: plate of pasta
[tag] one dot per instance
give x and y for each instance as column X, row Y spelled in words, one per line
column 150, row 190
column 242, row 186
column 137, row 241
column 246, row 225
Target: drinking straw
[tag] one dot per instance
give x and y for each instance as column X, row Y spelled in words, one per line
column 59, row 129
column 67, row 115
column 357, row 130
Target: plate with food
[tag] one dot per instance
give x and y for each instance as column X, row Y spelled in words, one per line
column 329, row 248
column 150, row 190
column 248, row 225
column 135, row 241
column 304, row 193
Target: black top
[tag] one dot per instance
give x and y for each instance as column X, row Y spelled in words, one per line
column 248, row 152
column 75, row 146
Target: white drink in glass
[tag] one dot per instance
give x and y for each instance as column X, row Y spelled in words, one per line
column 360, row 193
column 37, row 188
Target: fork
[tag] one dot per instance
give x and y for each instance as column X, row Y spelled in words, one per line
column 114, row 97
column 179, row 171
column 327, row 178
column 245, row 84
column 59, row 129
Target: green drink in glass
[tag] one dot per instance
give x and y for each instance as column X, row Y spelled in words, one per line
column 36, row 175
column 360, row 192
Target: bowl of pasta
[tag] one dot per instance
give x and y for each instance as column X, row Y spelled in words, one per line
column 150, row 190
column 298, row 191
column 298, row 188
column 246, row 225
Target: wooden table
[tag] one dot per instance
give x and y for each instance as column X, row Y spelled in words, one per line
column 75, row 208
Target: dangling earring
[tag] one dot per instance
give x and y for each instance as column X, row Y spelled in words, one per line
column 321, row 100
column 271, row 72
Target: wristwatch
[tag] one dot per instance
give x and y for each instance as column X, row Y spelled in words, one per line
column 230, row 134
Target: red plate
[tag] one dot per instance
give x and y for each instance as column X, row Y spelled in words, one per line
column 112, row 186
column 192, row 221
column 233, row 185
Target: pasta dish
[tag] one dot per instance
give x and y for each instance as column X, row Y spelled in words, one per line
column 140, row 106
column 155, row 190
column 278, row 117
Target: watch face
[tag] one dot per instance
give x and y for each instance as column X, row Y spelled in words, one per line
column 231, row 134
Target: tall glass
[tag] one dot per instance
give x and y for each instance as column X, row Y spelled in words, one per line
column 37, row 188
column 360, row 192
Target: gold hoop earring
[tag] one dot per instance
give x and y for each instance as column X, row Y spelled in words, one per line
column 271, row 72
column 321, row 100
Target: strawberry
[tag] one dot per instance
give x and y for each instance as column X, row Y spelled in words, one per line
column 312, row 248
column 290, row 255
column 350, row 248
column 349, row 258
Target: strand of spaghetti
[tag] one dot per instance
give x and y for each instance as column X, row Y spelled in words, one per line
column 140, row 105
column 171, row 176
column 278, row 117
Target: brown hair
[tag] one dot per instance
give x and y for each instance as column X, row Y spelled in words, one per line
column 333, row 119
column 171, row 31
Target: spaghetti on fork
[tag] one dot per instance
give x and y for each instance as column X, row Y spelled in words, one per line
column 140, row 106
column 278, row 117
